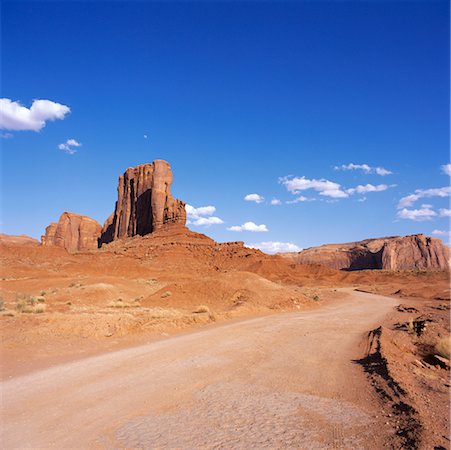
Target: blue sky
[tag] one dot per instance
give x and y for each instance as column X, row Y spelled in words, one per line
column 269, row 98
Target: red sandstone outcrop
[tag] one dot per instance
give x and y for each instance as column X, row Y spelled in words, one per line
column 415, row 252
column 144, row 203
column 73, row 232
column 390, row 253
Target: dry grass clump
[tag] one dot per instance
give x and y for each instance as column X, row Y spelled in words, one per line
column 166, row 294
column 312, row 295
column 443, row 347
column 2, row 304
column 39, row 308
column 30, row 305
column 119, row 303
column 201, row 309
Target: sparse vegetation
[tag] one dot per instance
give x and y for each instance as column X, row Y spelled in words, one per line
column 443, row 347
column 2, row 304
column 119, row 303
column 316, row 298
column 42, row 293
column 40, row 308
column 29, row 305
column 166, row 294
column 201, row 309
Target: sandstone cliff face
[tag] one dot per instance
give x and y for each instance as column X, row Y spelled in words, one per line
column 73, row 232
column 144, row 203
column 391, row 253
column 415, row 252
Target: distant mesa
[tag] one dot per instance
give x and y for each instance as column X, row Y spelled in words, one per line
column 144, row 203
column 390, row 253
column 73, row 232
column 23, row 240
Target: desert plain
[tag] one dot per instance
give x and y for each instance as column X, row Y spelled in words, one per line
column 145, row 334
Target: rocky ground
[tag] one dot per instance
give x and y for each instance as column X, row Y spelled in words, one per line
column 58, row 307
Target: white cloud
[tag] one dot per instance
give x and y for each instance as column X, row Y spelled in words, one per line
column 409, row 200
column 249, row 226
column 201, row 211
column 6, row 135
column 254, row 198
column 443, row 212
column 419, row 215
column 363, row 189
column 441, row 233
column 202, row 216
column 299, row 200
column 69, row 146
column 275, row 247
column 446, row 169
column 206, row 221
column 14, row 116
column 323, row 186
column 365, row 167
column 276, row 201
column 326, row 188
column 145, row 136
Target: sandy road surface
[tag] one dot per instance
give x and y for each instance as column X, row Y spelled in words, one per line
column 284, row 381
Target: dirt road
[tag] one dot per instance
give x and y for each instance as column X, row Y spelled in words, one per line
column 283, row 381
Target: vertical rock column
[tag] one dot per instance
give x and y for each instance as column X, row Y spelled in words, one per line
column 144, row 203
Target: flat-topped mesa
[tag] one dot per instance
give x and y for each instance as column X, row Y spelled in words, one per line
column 416, row 252
column 73, row 232
column 144, row 203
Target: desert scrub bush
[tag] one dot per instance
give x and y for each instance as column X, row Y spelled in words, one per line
column 201, row 309
column 119, row 303
column 29, row 305
column 315, row 298
column 42, row 293
column 443, row 347
column 166, row 294
column 2, row 304
column 39, row 308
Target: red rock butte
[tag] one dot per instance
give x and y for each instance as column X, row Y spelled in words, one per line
column 73, row 232
column 144, row 203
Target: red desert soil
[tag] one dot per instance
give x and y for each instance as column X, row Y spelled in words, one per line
column 97, row 364
column 281, row 381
